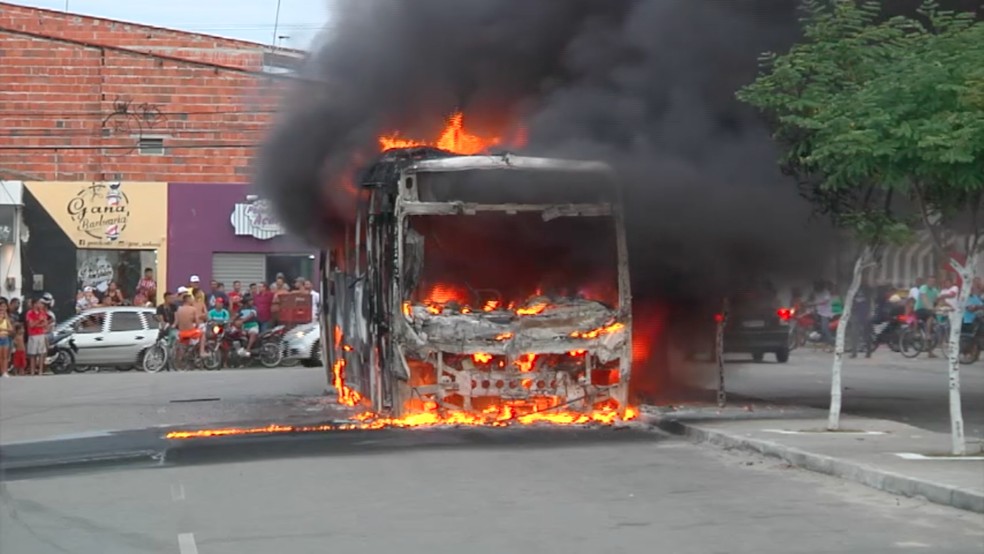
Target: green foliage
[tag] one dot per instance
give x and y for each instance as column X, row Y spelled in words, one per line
column 865, row 101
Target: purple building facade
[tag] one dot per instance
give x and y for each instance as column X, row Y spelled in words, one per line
column 217, row 231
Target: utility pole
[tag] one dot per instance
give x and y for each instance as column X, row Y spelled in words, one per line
column 276, row 23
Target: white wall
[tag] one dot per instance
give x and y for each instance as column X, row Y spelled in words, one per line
column 11, row 194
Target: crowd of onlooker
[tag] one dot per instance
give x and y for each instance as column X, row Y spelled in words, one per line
column 24, row 334
column 266, row 299
column 144, row 294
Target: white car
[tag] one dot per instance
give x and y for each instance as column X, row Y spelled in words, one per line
column 112, row 336
column 303, row 343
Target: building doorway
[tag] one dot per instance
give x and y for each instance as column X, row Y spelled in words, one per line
column 292, row 266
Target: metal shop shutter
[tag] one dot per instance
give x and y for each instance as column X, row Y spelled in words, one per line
column 248, row 268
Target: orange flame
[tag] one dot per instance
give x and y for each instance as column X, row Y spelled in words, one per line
column 346, row 395
column 504, row 336
column 595, row 333
column 493, row 417
column 491, row 305
column 525, row 362
column 482, row 357
column 532, row 310
column 453, row 138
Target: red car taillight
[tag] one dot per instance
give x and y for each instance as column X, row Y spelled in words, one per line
column 784, row 314
column 718, row 318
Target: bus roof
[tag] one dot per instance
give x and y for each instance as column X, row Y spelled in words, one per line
column 505, row 161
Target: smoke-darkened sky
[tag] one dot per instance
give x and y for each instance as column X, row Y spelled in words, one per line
column 647, row 85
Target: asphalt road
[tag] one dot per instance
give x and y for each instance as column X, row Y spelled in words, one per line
column 632, row 496
column 887, row 386
column 58, row 406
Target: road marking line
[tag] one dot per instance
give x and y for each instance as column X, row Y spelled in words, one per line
column 914, row 456
column 825, row 433
column 911, row 544
column 177, row 492
column 186, row 543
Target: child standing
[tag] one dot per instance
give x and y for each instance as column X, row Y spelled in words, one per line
column 20, row 354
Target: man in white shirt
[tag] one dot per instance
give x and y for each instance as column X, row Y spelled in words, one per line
column 950, row 292
column 823, row 303
column 914, row 291
column 315, row 300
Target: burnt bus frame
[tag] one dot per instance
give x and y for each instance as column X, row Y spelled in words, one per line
column 375, row 361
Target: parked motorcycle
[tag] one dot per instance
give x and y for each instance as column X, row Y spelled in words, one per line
column 60, row 358
column 157, row 357
column 267, row 348
column 215, row 332
column 806, row 330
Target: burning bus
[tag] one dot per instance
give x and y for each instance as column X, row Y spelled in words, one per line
column 481, row 284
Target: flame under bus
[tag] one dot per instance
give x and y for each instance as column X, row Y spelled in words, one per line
column 481, row 284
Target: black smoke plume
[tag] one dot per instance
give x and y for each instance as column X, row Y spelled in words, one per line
column 647, row 85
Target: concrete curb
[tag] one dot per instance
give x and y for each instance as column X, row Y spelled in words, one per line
column 860, row 473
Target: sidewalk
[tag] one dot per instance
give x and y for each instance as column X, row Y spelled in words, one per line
column 885, row 455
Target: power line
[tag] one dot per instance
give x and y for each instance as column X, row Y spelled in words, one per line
column 131, row 147
column 109, row 113
column 72, row 133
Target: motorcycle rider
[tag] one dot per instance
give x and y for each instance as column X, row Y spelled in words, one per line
column 823, row 304
column 219, row 314
column 165, row 318
column 248, row 320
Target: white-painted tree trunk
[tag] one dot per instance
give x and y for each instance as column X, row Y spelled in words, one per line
column 833, row 418
column 966, row 272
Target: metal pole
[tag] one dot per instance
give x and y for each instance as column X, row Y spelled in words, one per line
column 276, row 23
column 719, row 353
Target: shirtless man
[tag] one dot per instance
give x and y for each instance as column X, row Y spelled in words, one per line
column 188, row 320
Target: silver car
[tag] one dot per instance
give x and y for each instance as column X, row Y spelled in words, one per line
column 112, row 336
column 303, row 344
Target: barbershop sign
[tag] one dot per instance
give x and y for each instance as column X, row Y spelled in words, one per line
column 256, row 219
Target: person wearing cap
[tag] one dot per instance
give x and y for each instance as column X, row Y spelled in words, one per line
column 91, row 300
column 197, row 294
column 48, row 301
column 81, row 302
column 219, row 313
column 195, row 288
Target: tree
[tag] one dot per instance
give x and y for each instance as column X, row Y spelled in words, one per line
column 844, row 46
column 908, row 122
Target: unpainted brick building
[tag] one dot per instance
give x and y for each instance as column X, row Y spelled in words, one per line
column 91, row 99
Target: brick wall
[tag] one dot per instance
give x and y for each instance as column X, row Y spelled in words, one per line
column 96, row 102
column 143, row 38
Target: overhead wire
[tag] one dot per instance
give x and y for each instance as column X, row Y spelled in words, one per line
column 149, row 132
column 95, row 113
column 134, row 146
